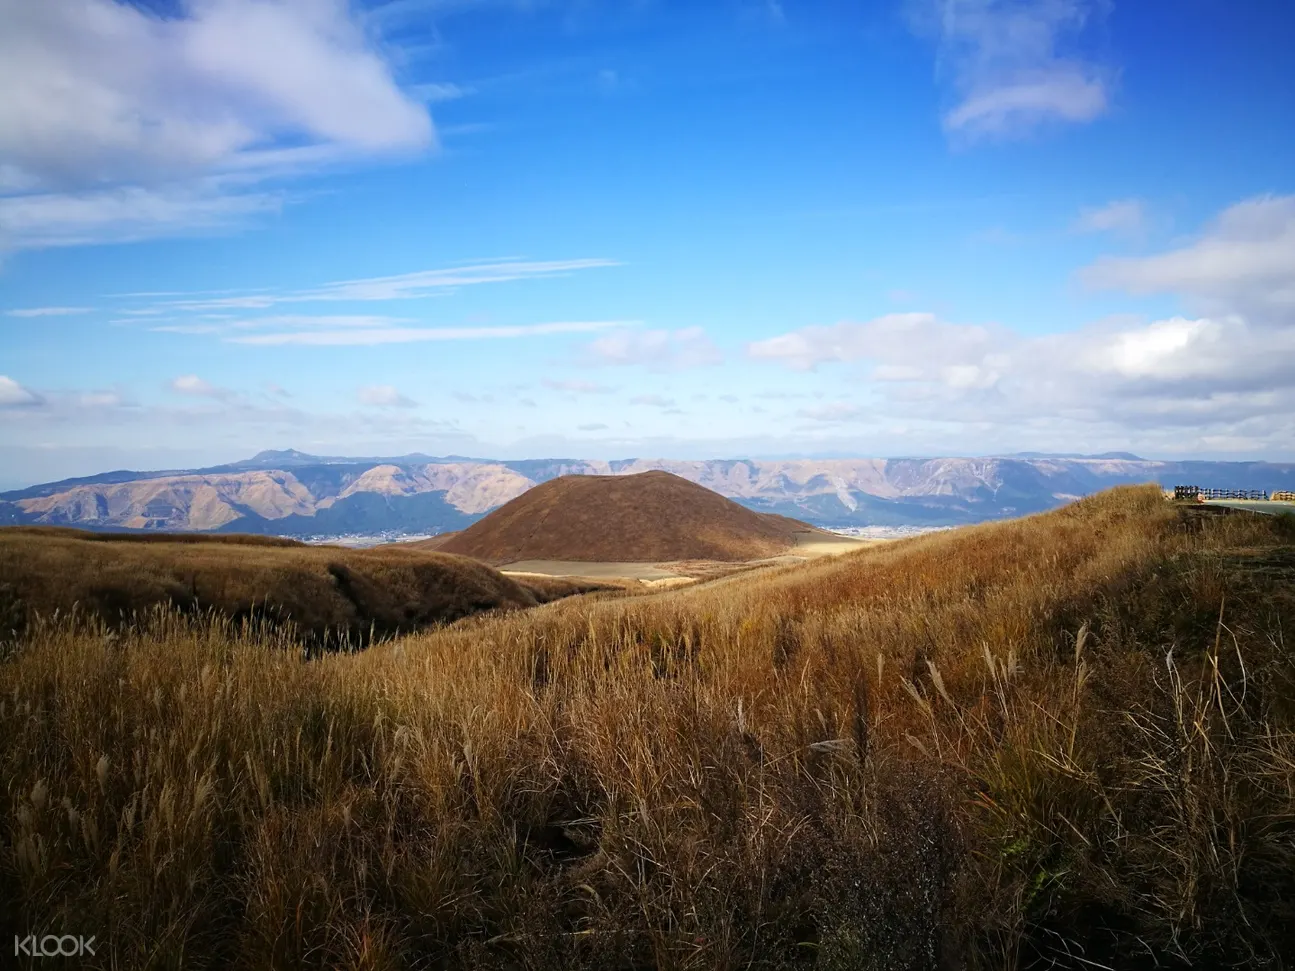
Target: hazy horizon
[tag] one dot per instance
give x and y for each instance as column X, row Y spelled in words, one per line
column 78, row 465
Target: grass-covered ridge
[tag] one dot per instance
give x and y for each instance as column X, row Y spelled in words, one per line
column 327, row 594
column 1063, row 739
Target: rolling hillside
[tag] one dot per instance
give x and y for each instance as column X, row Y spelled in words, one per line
column 327, row 593
column 645, row 517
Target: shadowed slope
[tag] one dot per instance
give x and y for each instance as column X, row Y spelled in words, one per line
column 325, row 592
column 649, row 517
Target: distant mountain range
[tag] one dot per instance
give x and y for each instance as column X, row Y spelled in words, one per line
column 290, row 493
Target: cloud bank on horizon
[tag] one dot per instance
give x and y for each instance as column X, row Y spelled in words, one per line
column 939, row 226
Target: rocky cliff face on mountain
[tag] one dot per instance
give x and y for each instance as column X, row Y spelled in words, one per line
column 294, row 494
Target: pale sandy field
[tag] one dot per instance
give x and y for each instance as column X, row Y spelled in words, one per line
column 808, row 546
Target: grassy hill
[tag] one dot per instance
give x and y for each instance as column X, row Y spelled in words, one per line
column 1059, row 742
column 325, row 592
column 648, row 517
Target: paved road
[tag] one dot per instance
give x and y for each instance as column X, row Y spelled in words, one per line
column 1268, row 506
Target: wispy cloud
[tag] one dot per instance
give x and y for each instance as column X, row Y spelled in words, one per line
column 206, row 420
column 837, row 411
column 1121, row 216
column 101, row 399
column 226, row 324
column 596, row 426
column 385, row 396
column 47, row 311
column 908, row 339
column 14, row 395
column 362, row 336
column 576, row 387
column 126, row 213
column 655, row 400
column 191, row 384
column 1010, row 66
column 444, row 91
column 425, row 282
column 192, row 329
column 656, row 349
column 404, row 286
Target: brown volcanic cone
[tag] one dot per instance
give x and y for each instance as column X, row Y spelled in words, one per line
column 645, row 518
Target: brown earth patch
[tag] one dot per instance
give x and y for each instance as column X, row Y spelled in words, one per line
column 651, row 517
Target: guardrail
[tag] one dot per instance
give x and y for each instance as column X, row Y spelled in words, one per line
column 1197, row 494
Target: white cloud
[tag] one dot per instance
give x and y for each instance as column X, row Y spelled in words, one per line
column 655, row 400
column 592, row 427
column 47, row 311
column 1130, row 374
column 191, row 384
column 385, row 396
column 315, row 321
column 182, row 328
column 837, row 411
column 101, row 399
column 14, row 395
column 445, row 91
column 233, row 427
column 1023, row 103
column 232, row 325
column 576, row 387
column 102, row 96
column 897, row 340
column 126, row 213
column 404, row 286
column 655, row 349
column 1008, row 65
column 355, row 336
column 1221, row 375
column 1121, row 216
column 1243, row 263
column 102, row 90
column 424, row 282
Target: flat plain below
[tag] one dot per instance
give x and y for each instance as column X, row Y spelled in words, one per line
column 809, row 546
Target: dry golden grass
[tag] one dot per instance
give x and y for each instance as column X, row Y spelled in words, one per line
column 1064, row 741
column 332, row 595
column 139, row 536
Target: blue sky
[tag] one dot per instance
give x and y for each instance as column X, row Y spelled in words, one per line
column 593, row 228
